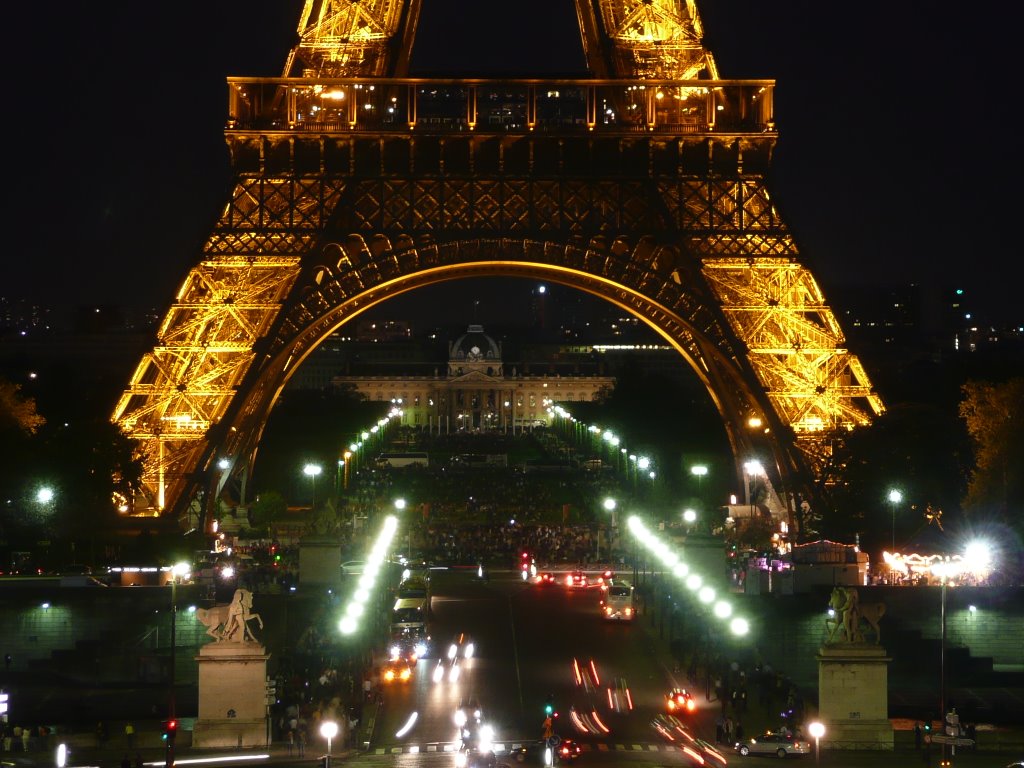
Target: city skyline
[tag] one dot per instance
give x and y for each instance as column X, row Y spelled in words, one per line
column 876, row 176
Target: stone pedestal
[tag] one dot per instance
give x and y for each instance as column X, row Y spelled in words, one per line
column 232, row 696
column 853, row 686
column 320, row 563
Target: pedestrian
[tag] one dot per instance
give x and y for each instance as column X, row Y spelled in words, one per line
column 917, row 736
column 291, row 742
column 26, row 734
column 7, row 662
column 719, row 730
column 738, row 732
column 302, row 742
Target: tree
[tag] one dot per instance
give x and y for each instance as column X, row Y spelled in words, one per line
column 994, row 417
column 919, row 447
column 17, row 413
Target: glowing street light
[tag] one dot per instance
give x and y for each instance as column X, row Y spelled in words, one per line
column 312, row 471
column 895, row 497
column 817, row 730
column 328, row 729
column 699, row 471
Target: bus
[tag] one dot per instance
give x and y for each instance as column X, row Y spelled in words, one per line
column 411, row 610
column 618, row 603
column 409, row 615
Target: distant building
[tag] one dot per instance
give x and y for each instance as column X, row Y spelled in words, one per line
column 477, row 390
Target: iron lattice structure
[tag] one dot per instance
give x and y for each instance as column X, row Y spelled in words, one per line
column 643, row 185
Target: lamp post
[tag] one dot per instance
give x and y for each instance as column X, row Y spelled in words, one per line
column 817, row 730
column 312, row 471
column 689, row 517
column 609, row 505
column 699, row 471
column 895, row 497
column 328, row 729
column 178, row 571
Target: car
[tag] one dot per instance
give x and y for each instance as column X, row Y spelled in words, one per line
column 353, row 567
column 397, row 670
column 680, row 700
column 545, row 578
column 778, row 744
column 449, row 666
column 606, row 578
column 576, row 580
column 408, row 645
column 563, row 751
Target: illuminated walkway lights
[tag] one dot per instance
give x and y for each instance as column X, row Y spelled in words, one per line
column 349, row 624
column 722, row 609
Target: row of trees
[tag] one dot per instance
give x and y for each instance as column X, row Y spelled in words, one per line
column 962, row 459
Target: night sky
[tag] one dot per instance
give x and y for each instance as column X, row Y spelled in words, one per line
column 897, row 159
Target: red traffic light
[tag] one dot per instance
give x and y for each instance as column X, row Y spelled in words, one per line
column 172, row 725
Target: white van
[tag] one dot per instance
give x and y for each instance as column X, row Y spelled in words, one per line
column 618, row 603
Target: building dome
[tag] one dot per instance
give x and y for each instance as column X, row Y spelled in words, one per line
column 474, row 346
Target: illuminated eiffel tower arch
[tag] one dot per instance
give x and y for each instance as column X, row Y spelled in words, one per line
column 643, row 184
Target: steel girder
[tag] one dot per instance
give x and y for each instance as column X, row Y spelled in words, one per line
column 675, row 226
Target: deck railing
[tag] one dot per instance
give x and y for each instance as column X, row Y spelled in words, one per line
column 500, row 106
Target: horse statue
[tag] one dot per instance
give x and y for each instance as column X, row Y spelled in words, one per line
column 848, row 613
column 230, row 623
column 236, row 628
column 213, row 619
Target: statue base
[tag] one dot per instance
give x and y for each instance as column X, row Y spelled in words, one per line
column 853, row 690
column 232, row 696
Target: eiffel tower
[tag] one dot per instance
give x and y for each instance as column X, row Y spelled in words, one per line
column 643, row 184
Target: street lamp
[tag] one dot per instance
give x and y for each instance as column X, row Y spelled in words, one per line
column 609, row 506
column 400, row 507
column 328, row 729
column 178, row 571
column 699, row 471
column 689, row 517
column 895, row 497
column 312, row 471
column 817, row 730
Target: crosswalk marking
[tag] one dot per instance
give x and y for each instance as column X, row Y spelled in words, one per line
column 500, row 749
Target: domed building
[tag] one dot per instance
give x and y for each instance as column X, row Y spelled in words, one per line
column 476, row 392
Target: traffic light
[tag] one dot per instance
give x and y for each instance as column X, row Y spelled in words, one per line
column 170, row 731
column 927, row 727
column 549, row 706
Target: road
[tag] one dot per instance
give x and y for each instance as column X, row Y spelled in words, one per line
column 531, row 641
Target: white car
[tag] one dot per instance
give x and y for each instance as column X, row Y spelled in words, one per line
column 353, row 567
column 778, row 744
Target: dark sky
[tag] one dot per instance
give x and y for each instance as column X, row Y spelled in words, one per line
column 898, row 156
